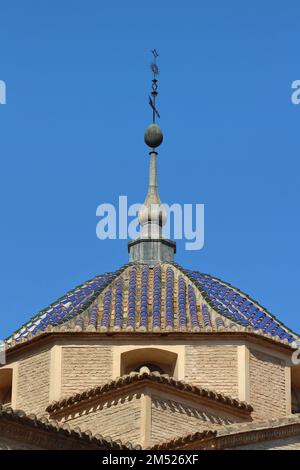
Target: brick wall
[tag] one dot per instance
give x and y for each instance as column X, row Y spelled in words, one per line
column 118, row 419
column 174, row 419
column 213, row 366
column 85, row 367
column 267, row 385
column 33, row 383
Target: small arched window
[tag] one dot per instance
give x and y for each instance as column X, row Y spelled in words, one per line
column 155, row 359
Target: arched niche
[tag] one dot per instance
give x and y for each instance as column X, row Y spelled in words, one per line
column 161, row 360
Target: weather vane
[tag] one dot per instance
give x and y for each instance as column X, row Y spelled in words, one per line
column 154, row 91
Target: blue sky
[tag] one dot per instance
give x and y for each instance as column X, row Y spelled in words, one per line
column 71, row 138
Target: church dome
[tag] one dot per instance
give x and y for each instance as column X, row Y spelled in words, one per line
column 165, row 298
column 153, row 353
column 152, row 294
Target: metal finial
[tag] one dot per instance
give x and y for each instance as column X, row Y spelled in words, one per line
column 154, row 91
column 151, row 247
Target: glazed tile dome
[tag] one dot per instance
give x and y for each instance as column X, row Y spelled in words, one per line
column 164, row 298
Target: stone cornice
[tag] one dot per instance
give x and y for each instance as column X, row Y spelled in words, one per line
column 53, row 334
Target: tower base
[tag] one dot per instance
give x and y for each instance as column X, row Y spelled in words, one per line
column 151, row 251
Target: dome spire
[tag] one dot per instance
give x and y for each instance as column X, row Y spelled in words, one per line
column 151, row 247
column 152, row 214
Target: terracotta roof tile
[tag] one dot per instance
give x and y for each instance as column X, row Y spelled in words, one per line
column 188, row 439
column 155, row 377
column 180, row 301
column 237, row 429
column 52, row 426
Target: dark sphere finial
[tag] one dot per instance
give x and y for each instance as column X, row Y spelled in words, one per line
column 153, row 136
